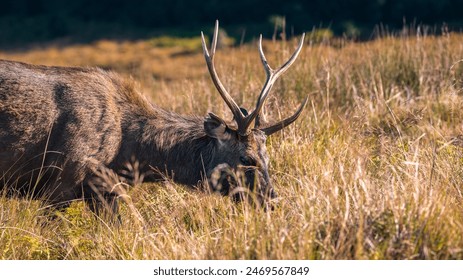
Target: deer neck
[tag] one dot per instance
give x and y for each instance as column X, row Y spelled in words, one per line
column 172, row 145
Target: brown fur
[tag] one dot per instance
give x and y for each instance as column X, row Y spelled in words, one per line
column 58, row 125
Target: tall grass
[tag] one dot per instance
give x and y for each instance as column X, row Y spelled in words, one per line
column 372, row 170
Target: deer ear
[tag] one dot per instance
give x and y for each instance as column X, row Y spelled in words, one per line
column 215, row 127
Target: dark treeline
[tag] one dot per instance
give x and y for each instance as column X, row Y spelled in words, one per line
column 27, row 21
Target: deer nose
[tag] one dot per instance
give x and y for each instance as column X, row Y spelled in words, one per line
column 266, row 185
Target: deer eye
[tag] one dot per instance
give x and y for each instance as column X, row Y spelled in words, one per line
column 248, row 161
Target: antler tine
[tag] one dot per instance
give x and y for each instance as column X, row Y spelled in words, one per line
column 272, row 76
column 268, row 69
column 284, row 123
column 209, row 56
column 291, row 60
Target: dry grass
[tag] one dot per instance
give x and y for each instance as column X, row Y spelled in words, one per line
column 372, row 170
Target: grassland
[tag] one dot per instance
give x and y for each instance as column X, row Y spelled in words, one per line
column 373, row 169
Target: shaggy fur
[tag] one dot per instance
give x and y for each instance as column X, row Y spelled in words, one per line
column 59, row 125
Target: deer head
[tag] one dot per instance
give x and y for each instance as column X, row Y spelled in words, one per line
column 241, row 143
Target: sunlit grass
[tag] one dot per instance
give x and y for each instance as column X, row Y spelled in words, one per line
column 372, row 170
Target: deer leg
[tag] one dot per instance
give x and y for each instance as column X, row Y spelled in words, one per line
column 102, row 202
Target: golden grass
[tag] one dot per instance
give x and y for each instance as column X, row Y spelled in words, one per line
column 372, row 170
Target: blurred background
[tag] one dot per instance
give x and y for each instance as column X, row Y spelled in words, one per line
column 30, row 22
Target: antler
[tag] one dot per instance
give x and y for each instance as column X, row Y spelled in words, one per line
column 284, row 123
column 244, row 121
column 239, row 117
column 272, row 76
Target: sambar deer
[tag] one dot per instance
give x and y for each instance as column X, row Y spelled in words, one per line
column 60, row 125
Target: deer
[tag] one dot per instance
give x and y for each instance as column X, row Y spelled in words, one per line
column 61, row 126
